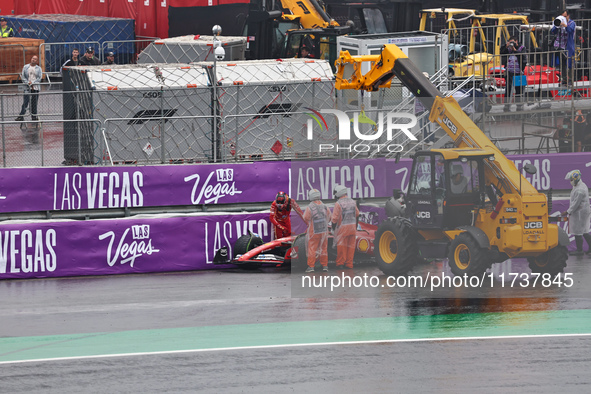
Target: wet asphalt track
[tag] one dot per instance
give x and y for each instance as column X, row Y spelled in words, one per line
column 241, row 331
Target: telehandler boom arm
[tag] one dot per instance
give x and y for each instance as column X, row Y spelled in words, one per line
column 312, row 15
column 445, row 111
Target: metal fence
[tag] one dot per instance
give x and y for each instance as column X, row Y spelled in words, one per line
column 544, row 107
column 52, row 56
column 244, row 134
column 125, row 51
column 270, row 121
column 56, row 54
column 255, row 122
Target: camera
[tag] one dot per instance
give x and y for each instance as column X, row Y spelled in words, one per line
column 559, row 20
column 219, row 53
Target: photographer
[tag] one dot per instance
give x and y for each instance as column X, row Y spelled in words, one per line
column 514, row 61
column 565, row 43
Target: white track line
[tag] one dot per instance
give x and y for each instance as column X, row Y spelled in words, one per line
column 296, row 345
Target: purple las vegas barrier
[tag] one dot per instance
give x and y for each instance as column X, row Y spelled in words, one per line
column 364, row 178
column 121, row 246
column 378, row 177
column 74, row 188
column 552, row 168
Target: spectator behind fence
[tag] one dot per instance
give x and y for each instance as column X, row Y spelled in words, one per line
column 564, row 135
column 582, row 132
column 565, row 40
column 73, row 61
column 5, row 31
column 89, row 59
column 31, row 76
column 514, row 61
column 110, row 59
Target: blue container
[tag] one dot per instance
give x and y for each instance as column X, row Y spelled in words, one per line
column 79, row 29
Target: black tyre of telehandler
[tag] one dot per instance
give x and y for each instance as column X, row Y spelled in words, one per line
column 467, row 257
column 395, row 246
column 552, row 262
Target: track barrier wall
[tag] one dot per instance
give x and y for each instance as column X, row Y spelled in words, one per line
column 160, row 243
column 94, row 188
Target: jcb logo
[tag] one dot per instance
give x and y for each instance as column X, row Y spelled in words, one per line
column 530, row 225
column 423, row 215
column 449, row 123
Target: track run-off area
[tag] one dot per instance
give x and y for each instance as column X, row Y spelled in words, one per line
column 243, row 331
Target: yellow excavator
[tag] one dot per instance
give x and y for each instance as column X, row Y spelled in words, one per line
column 468, row 203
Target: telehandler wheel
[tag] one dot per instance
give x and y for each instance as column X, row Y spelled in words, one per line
column 552, row 262
column 467, row 257
column 395, row 244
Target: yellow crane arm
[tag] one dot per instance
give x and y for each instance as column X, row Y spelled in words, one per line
column 445, row 111
column 312, row 15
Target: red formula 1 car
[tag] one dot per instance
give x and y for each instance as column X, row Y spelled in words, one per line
column 250, row 252
column 539, row 77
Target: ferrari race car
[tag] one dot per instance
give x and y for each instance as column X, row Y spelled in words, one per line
column 249, row 251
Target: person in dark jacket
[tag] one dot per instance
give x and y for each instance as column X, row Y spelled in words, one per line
column 89, row 59
column 73, row 61
column 110, row 59
column 514, row 60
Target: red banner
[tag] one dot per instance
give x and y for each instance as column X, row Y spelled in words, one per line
column 124, row 8
column 25, row 7
column 162, row 18
column 6, row 7
column 93, row 7
column 151, row 16
column 145, row 23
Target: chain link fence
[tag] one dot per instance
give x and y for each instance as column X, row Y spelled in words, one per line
column 187, row 49
column 172, row 113
column 540, row 108
column 61, row 33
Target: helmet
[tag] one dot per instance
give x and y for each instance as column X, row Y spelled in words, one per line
column 423, row 185
column 457, row 169
column 90, row 50
column 339, row 191
column 313, row 194
column 574, row 177
column 281, row 199
column 110, row 54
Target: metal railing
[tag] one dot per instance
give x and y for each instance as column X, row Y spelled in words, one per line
column 191, row 137
column 125, row 51
column 71, row 133
column 56, row 54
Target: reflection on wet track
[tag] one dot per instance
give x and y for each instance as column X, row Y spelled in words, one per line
column 232, row 330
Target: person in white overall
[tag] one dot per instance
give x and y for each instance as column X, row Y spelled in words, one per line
column 579, row 212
